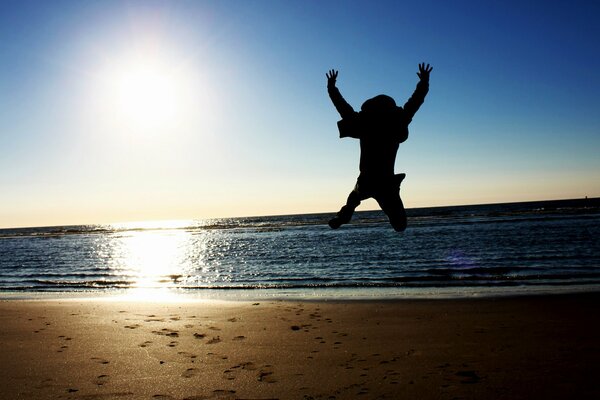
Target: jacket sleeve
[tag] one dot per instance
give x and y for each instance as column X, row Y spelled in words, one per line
column 418, row 97
column 345, row 109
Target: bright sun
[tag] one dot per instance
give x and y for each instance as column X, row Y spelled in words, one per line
column 146, row 94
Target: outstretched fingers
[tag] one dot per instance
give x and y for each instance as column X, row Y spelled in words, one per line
column 331, row 77
column 424, row 70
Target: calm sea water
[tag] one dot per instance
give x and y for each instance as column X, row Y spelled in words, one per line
column 486, row 248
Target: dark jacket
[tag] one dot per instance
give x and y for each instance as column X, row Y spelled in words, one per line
column 380, row 125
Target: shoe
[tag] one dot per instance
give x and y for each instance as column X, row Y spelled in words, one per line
column 335, row 223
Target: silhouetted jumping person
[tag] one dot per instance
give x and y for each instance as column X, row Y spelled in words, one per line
column 381, row 126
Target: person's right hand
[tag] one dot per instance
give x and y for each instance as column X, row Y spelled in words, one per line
column 331, row 77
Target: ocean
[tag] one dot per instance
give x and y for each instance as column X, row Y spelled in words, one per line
column 533, row 247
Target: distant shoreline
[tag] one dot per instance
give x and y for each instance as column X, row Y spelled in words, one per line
column 316, row 294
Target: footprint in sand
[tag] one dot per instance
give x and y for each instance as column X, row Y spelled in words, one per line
column 190, row 372
column 266, row 374
column 188, row 355
column 134, row 326
column 238, row 338
column 214, row 340
column 199, row 335
column 146, row 343
column 249, row 365
column 173, row 344
column 469, row 377
column 304, row 327
column 99, row 360
column 229, row 375
column 233, row 372
column 101, row 380
column 363, row 391
column 316, row 316
column 167, row 332
column 65, row 338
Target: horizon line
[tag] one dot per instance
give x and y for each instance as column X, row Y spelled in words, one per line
column 586, row 198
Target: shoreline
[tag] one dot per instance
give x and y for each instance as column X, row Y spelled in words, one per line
column 521, row 347
column 305, row 294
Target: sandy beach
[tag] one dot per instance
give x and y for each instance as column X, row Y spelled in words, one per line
column 540, row 347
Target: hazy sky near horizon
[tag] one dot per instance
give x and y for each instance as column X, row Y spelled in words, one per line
column 134, row 110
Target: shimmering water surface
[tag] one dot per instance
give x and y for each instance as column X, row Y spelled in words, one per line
column 488, row 247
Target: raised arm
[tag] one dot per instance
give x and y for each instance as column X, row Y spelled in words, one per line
column 418, row 97
column 340, row 104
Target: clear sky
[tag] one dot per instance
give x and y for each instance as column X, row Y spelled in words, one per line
column 134, row 110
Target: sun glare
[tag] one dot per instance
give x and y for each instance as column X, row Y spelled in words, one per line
column 147, row 93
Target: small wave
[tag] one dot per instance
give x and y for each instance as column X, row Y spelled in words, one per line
column 86, row 284
column 449, row 279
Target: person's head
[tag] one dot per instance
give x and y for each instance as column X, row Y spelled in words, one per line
column 379, row 104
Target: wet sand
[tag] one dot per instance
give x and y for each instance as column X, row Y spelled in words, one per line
column 541, row 347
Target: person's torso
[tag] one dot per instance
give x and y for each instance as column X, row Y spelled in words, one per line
column 379, row 140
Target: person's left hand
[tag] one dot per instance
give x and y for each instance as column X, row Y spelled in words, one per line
column 424, row 71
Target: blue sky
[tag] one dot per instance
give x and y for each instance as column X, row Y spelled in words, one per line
column 511, row 114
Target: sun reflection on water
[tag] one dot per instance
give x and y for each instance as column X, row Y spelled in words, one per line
column 155, row 261
column 163, row 260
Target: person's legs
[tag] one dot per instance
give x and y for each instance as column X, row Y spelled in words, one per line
column 345, row 214
column 390, row 202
